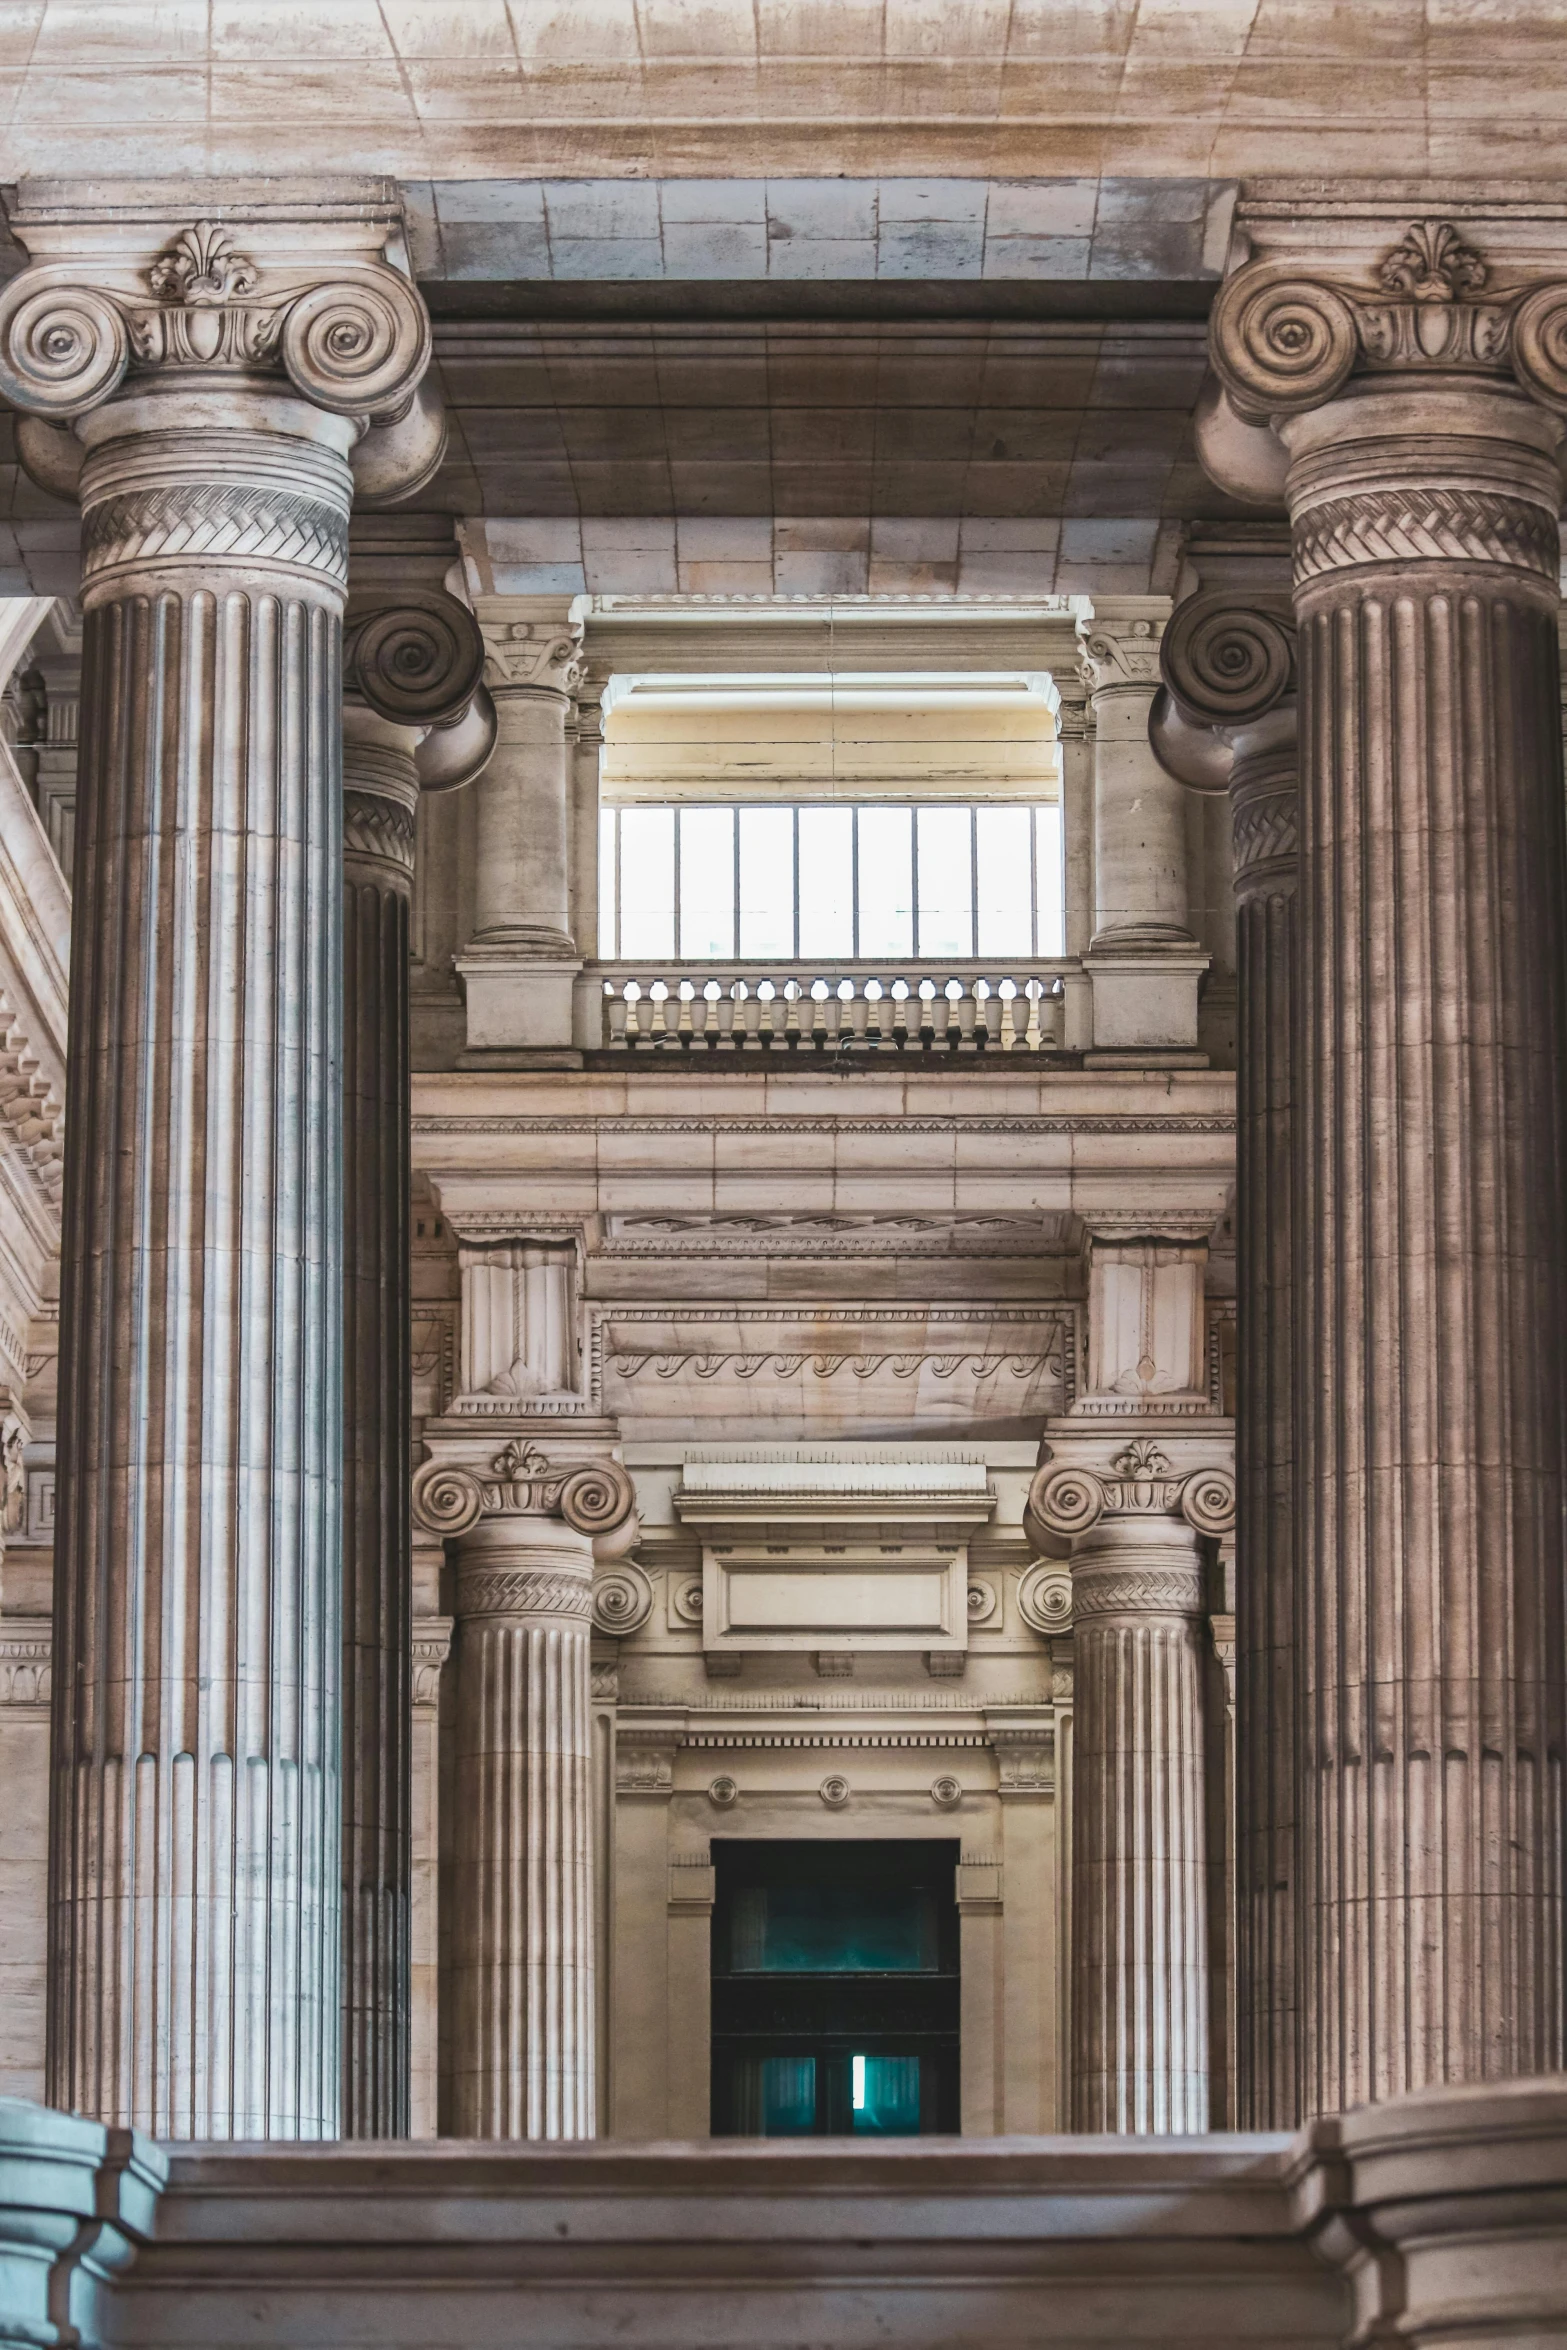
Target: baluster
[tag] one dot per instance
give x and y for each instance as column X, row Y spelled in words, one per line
column 616, row 1006
column 699, row 1011
column 940, row 1016
column 725, row 1008
column 968, row 1013
column 832, row 1018
column 750, row 1030
column 859, row 1010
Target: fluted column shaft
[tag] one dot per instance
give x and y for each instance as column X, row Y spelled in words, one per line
column 523, row 2046
column 212, row 404
column 1432, row 1234
column 1139, row 1858
column 194, row 1839
column 1263, row 794
column 380, row 796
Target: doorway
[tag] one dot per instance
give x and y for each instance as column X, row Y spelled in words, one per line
column 835, row 1989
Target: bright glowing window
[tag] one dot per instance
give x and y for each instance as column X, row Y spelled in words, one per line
column 875, row 882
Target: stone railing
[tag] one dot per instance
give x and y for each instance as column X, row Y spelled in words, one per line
column 925, row 1007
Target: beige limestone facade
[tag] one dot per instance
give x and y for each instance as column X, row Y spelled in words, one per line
column 782, row 852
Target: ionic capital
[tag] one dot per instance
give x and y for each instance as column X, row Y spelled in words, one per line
column 1141, row 1482
column 1286, row 339
column 595, row 1498
column 196, row 291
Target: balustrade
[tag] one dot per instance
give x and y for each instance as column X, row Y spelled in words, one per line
column 834, row 1007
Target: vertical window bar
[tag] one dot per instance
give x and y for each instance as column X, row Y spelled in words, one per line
column 973, row 881
column 795, row 933
column 1033, row 880
column 914, row 878
column 854, row 885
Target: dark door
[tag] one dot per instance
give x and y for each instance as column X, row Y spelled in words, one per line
column 835, row 1989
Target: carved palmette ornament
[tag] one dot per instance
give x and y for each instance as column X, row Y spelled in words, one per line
column 357, row 343
column 1283, row 343
column 593, row 1497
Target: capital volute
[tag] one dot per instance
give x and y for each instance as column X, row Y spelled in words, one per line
column 1285, row 339
column 418, row 662
column 1140, row 1482
column 595, row 1498
column 1228, row 670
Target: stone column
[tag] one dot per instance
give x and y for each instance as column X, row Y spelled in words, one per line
column 1139, row 1847
column 523, row 2033
column 412, row 673
column 194, row 1840
column 519, row 965
column 1423, row 484
column 1230, row 671
column 1143, row 960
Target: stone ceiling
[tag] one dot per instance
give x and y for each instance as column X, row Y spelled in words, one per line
column 753, row 88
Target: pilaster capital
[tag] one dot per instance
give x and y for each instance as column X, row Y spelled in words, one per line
column 595, row 1498
column 1118, row 645
column 531, row 652
column 165, row 287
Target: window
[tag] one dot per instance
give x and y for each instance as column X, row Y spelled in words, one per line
column 835, row 1989
column 884, row 882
